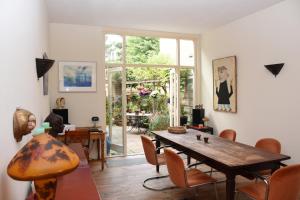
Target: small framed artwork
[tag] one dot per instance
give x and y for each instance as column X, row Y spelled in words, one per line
column 77, row 76
column 224, row 81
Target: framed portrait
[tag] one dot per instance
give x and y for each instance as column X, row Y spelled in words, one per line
column 224, row 81
column 77, row 76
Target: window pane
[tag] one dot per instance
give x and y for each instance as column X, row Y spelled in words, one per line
column 186, row 93
column 113, row 48
column 187, row 57
column 150, row 50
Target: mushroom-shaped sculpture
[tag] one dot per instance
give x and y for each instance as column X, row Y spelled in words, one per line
column 42, row 159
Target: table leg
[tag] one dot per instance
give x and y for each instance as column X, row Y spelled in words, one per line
column 157, row 144
column 188, row 160
column 277, row 166
column 102, row 151
column 230, row 186
column 98, row 149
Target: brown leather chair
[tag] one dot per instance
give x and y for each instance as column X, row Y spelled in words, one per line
column 79, row 136
column 270, row 145
column 153, row 158
column 284, row 184
column 186, row 178
column 228, row 134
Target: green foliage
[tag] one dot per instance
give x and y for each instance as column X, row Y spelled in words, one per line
column 160, row 59
column 140, row 49
column 159, row 122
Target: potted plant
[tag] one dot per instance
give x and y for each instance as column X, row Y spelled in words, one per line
column 183, row 116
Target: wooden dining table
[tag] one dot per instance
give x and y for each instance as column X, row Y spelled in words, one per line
column 230, row 158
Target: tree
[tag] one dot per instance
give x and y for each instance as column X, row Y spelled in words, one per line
column 140, row 49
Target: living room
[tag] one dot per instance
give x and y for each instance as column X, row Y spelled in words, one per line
column 254, row 34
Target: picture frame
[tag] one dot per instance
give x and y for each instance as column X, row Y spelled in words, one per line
column 77, row 76
column 225, row 84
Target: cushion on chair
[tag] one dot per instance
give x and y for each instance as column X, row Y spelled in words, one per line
column 256, row 190
column 197, row 177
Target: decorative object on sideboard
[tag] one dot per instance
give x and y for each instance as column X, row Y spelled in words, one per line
column 42, row 159
column 274, row 68
column 23, row 123
column 56, row 122
column 64, row 113
column 205, row 121
column 77, row 76
column 225, row 84
column 200, row 106
column 95, row 120
column 198, row 114
column 60, row 103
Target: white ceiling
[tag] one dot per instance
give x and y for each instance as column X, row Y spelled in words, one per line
column 182, row 16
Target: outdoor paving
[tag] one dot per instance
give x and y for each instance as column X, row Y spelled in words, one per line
column 134, row 144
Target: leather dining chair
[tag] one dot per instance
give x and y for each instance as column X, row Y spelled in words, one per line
column 228, row 134
column 152, row 158
column 271, row 145
column 284, row 184
column 186, row 178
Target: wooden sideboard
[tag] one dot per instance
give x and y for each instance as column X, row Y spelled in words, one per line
column 97, row 136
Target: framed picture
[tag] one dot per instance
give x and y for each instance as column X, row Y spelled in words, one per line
column 224, row 78
column 77, row 76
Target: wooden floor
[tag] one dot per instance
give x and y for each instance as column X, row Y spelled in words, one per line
column 124, row 182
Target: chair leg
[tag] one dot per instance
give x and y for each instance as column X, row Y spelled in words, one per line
column 196, row 192
column 211, row 171
column 154, row 178
column 157, row 168
column 216, row 191
column 237, row 195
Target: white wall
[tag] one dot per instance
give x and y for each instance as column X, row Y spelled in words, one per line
column 267, row 106
column 23, row 37
column 78, row 43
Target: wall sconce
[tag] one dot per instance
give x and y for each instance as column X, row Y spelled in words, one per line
column 43, row 65
column 275, row 68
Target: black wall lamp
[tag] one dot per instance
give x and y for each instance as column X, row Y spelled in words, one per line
column 275, row 68
column 43, row 65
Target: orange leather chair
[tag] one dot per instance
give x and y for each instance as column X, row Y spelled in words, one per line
column 284, row 184
column 153, row 158
column 186, row 178
column 228, row 134
column 270, row 145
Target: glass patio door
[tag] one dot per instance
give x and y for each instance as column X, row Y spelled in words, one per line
column 174, row 102
column 114, row 110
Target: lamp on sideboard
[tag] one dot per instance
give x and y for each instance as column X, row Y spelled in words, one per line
column 41, row 160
